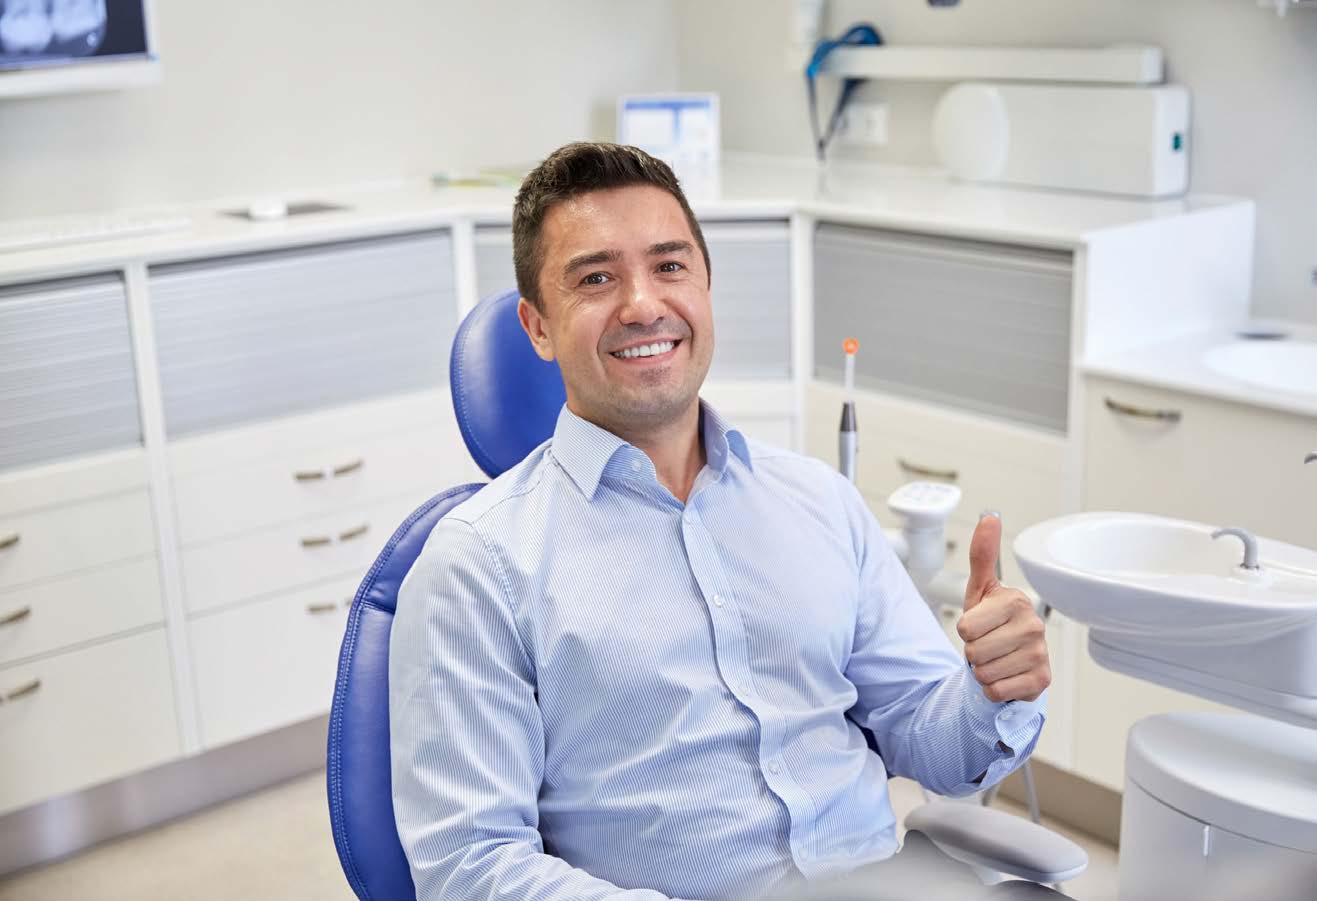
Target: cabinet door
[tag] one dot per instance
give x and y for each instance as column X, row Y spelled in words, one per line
column 977, row 326
column 84, row 717
column 67, row 383
column 265, row 335
column 270, row 663
column 1220, row 463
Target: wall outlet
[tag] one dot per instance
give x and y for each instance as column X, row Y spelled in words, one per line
column 864, row 125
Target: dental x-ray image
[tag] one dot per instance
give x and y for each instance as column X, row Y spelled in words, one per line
column 44, row 32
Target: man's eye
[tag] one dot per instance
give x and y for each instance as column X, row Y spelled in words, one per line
column 594, row 278
column 670, row 266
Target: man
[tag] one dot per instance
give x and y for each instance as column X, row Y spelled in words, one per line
column 637, row 664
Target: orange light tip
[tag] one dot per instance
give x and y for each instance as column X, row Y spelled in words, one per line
column 850, row 345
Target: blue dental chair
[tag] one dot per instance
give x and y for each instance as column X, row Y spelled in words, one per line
column 493, row 369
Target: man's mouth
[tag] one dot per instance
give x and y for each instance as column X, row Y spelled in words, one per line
column 659, row 350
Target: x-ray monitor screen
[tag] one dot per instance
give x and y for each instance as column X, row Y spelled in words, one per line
column 53, row 33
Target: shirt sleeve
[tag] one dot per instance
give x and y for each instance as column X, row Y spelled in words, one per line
column 467, row 740
column 916, row 694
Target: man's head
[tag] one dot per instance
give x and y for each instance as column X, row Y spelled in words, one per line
column 609, row 258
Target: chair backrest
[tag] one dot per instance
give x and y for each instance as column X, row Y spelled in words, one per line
column 507, row 400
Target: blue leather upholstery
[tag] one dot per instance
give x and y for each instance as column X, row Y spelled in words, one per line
column 507, row 401
column 507, row 398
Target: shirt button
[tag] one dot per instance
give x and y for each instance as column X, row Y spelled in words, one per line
column 637, row 465
column 804, row 854
column 717, row 600
column 774, row 768
column 689, row 516
column 747, row 688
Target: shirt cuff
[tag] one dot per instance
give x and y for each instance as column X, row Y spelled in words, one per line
column 1015, row 724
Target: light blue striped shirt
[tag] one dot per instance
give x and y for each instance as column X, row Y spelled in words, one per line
column 597, row 691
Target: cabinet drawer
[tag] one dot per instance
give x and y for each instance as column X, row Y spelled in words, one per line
column 269, row 663
column 1017, row 471
column 54, row 614
column 1221, row 463
column 67, row 382
column 978, row 326
column 99, row 713
column 65, row 539
column 303, row 484
column 265, row 335
column 288, row 556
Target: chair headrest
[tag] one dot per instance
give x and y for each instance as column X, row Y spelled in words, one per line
column 506, row 398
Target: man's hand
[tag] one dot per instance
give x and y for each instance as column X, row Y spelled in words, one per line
column 1003, row 636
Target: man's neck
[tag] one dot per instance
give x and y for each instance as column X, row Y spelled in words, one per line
column 676, row 448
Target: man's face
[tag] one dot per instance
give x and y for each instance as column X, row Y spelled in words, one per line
column 622, row 271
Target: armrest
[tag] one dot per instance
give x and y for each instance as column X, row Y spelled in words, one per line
column 999, row 841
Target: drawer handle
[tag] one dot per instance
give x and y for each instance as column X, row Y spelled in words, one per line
column 23, row 690
column 9, row 541
column 914, row 469
column 951, row 546
column 1116, row 406
column 316, row 475
column 317, row 541
column 325, row 607
column 354, row 533
column 18, row 615
column 347, row 468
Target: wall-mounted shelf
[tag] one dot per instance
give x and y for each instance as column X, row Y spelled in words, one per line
column 1100, row 65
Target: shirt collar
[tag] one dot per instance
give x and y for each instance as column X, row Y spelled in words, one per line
column 584, row 450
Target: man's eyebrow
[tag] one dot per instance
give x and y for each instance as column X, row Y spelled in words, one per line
column 666, row 247
column 592, row 258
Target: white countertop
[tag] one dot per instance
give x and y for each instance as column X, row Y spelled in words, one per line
column 1178, row 365
column 743, row 187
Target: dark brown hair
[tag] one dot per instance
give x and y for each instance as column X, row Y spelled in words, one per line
column 573, row 170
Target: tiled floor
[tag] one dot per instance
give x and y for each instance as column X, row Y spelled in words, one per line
column 277, row 845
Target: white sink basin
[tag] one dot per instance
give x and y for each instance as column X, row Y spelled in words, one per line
column 1148, row 575
column 1279, row 365
column 1166, row 602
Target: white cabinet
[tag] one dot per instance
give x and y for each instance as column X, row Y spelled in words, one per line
column 85, row 716
column 1157, row 451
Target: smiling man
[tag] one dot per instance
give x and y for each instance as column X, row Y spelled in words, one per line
column 639, row 663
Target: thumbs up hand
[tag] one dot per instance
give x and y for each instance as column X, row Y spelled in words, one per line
column 1003, row 635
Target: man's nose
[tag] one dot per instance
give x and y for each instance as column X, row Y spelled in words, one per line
column 644, row 303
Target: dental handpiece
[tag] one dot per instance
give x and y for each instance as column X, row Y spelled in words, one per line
column 848, row 444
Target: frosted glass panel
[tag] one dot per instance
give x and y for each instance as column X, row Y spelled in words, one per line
column 973, row 325
column 265, row 335
column 67, row 385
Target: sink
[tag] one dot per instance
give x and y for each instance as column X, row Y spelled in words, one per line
column 1279, row 365
column 1132, row 572
column 1166, row 602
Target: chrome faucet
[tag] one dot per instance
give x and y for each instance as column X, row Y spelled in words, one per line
column 1250, row 545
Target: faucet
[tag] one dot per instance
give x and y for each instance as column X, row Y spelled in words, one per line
column 1250, row 545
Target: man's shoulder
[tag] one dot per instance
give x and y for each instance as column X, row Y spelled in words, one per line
column 501, row 495
column 772, row 461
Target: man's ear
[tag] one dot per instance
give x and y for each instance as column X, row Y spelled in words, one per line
column 533, row 322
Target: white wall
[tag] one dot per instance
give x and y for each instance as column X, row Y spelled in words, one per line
column 1253, row 77
column 280, row 96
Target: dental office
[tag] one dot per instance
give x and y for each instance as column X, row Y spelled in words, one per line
column 792, row 449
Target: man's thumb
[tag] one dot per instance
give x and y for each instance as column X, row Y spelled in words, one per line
column 983, row 550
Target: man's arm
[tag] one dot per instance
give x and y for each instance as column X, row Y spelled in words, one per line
column 467, row 741
column 931, row 718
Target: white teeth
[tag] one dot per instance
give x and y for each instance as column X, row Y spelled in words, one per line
column 645, row 350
